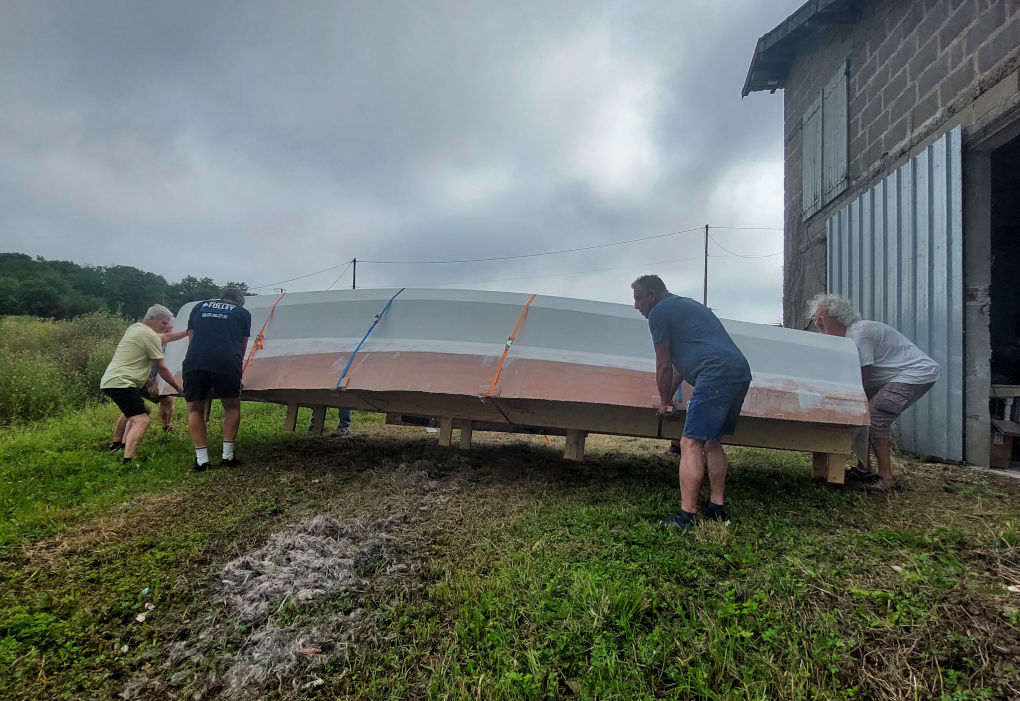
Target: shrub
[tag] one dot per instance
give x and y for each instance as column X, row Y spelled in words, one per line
column 48, row 365
column 32, row 388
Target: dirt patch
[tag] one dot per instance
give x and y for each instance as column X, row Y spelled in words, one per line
column 282, row 611
column 316, row 559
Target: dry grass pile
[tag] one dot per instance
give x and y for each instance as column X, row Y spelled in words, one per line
column 316, row 558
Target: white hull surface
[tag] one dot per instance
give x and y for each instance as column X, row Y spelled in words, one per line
column 573, row 365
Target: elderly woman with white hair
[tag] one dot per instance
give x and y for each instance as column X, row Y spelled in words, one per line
column 895, row 374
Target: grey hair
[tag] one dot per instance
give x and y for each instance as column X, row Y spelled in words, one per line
column 158, row 311
column 232, row 294
column 839, row 308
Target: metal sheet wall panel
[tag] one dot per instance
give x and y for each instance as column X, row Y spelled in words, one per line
column 897, row 252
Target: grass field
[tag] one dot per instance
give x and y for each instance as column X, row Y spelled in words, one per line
column 383, row 566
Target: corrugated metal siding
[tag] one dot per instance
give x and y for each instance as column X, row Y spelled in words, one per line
column 897, row 252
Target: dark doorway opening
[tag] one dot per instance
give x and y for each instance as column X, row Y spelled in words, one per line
column 1004, row 321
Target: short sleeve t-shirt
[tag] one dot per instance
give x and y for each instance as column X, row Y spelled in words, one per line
column 699, row 346
column 220, row 329
column 133, row 359
column 891, row 355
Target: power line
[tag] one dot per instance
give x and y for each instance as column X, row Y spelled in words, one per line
column 534, row 255
column 740, row 255
column 301, row 277
column 340, row 275
column 576, row 272
column 529, row 255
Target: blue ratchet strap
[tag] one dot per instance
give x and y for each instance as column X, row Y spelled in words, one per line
column 375, row 322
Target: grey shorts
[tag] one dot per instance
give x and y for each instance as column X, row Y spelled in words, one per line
column 886, row 402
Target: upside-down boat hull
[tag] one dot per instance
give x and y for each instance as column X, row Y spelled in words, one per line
column 572, row 364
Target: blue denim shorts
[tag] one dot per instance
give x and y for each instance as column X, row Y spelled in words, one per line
column 713, row 410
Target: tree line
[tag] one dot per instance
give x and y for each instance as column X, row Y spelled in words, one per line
column 60, row 289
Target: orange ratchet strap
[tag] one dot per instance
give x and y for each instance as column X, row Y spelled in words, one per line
column 257, row 343
column 509, row 342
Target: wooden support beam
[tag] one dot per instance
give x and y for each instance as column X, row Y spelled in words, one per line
column 446, row 431
column 465, row 435
column 575, row 445
column 828, row 466
column 291, row 421
column 319, row 422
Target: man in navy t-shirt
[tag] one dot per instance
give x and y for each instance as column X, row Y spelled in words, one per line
column 218, row 332
column 691, row 344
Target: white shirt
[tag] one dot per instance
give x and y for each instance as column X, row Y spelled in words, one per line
column 891, row 355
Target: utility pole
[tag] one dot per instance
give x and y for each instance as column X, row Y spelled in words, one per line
column 354, row 275
column 704, row 294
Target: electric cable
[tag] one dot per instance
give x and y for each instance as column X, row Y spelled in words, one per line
column 342, row 272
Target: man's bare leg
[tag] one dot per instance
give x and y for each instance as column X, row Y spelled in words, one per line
column 166, row 411
column 136, row 427
column 231, row 418
column 118, row 429
column 883, row 455
column 715, row 456
column 196, row 423
column 692, row 471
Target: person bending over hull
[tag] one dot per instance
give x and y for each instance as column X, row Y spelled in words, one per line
column 692, row 345
column 895, row 374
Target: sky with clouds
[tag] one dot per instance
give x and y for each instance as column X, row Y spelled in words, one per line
column 265, row 141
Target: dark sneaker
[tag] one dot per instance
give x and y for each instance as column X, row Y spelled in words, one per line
column 714, row 512
column 116, row 445
column 341, row 432
column 200, row 467
column 681, row 521
column 880, row 486
column 170, row 429
column 858, row 475
column 230, row 462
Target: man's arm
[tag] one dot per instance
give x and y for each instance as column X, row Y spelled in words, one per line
column 865, row 375
column 171, row 336
column 667, row 380
column 163, row 371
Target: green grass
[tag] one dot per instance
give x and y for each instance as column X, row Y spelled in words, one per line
column 508, row 572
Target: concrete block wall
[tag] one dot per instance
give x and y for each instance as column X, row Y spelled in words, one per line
column 916, row 67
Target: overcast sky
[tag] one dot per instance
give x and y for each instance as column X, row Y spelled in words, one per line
column 263, row 141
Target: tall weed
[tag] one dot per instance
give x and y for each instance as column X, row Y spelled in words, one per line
column 48, row 366
column 33, row 387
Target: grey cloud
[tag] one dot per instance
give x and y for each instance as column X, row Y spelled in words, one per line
column 261, row 140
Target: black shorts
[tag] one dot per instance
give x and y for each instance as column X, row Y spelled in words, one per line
column 199, row 385
column 128, row 400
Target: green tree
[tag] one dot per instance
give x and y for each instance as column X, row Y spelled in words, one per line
column 191, row 289
column 129, row 291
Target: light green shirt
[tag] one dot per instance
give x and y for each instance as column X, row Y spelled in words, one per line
column 133, row 358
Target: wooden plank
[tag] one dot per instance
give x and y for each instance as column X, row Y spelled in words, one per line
column 446, row 431
column 290, row 422
column 555, row 418
column 320, row 420
column 574, row 449
column 828, row 466
column 465, row 435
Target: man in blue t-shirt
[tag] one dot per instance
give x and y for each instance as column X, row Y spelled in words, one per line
column 691, row 344
column 218, row 332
